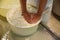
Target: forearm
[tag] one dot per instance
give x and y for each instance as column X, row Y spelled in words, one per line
column 42, row 5
column 23, row 5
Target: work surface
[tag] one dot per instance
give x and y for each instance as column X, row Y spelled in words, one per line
column 54, row 25
column 42, row 34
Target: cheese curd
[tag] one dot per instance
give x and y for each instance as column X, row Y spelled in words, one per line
column 16, row 19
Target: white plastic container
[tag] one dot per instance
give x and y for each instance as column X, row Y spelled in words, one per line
column 19, row 25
